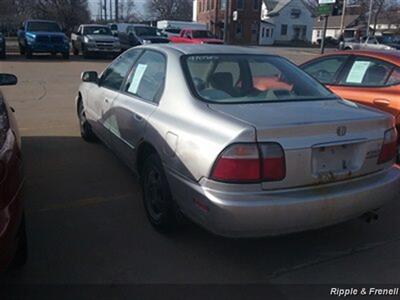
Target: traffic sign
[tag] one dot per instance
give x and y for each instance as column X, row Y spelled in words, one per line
column 324, row 10
column 326, row 1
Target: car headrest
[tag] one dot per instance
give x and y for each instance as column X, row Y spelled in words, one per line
column 222, row 81
column 375, row 75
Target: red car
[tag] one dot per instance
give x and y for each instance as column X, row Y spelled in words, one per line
column 195, row 36
column 13, row 246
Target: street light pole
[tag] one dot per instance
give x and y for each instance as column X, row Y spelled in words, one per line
column 226, row 21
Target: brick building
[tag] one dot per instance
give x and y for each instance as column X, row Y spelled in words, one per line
column 242, row 30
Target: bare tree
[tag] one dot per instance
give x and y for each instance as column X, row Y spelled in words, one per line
column 170, row 9
column 68, row 13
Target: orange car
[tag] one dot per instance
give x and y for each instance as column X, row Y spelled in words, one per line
column 367, row 77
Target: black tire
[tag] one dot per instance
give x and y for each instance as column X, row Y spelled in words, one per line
column 3, row 55
column 65, row 55
column 85, row 53
column 28, row 53
column 161, row 209
column 86, row 130
column 21, row 254
column 21, row 49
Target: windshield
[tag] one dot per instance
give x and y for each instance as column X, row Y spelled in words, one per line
column 173, row 30
column 199, row 34
column 250, row 78
column 43, row 26
column 145, row 31
column 97, row 30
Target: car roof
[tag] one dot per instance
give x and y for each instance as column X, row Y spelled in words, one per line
column 392, row 56
column 47, row 21
column 94, row 25
column 187, row 49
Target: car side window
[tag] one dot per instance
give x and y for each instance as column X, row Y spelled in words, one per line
column 367, row 72
column 147, row 77
column 394, row 78
column 326, row 69
column 113, row 77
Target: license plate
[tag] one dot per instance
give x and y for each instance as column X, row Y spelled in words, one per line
column 333, row 159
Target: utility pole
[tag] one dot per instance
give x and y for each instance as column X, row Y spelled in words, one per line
column 369, row 17
column 226, row 21
column 324, row 34
column 341, row 37
column 116, row 11
column 101, row 10
column 342, row 18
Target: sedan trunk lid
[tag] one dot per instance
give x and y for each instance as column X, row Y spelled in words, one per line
column 323, row 141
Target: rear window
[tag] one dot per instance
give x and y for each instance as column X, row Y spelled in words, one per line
column 249, row 79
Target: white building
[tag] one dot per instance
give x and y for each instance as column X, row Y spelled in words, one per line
column 353, row 25
column 284, row 21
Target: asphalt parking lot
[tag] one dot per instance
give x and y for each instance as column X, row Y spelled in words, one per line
column 87, row 225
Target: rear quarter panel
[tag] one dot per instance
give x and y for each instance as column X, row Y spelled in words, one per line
column 187, row 134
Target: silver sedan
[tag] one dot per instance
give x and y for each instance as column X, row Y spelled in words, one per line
column 241, row 142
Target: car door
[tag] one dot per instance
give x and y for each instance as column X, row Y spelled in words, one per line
column 102, row 97
column 138, row 100
column 371, row 82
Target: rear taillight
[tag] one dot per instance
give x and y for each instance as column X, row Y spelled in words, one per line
column 250, row 163
column 389, row 146
column 274, row 168
column 239, row 162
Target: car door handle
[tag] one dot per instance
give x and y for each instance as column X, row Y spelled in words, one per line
column 381, row 101
column 138, row 117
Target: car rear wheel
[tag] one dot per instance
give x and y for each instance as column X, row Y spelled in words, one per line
column 161, row 209
column 28, row 53
column 86, row 130
column 21, row 254
column 65, row 55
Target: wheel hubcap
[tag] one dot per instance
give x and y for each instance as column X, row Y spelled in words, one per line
column 154, row 197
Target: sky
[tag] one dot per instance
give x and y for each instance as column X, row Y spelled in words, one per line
column 94, row 6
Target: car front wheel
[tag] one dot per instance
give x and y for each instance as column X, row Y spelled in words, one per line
column 86, row 130
column 161, row 209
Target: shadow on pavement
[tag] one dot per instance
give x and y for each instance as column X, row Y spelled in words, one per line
column 87, row 224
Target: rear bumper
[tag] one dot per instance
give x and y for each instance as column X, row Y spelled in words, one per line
column 262, row 213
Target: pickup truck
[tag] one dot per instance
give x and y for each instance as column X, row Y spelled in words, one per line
column 195, row 36
column 366, row 43
column 2, row 46
column 41, row 36
column 95, row 39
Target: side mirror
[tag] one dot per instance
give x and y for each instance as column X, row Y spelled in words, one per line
column 90, row 76
column 8, row 79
